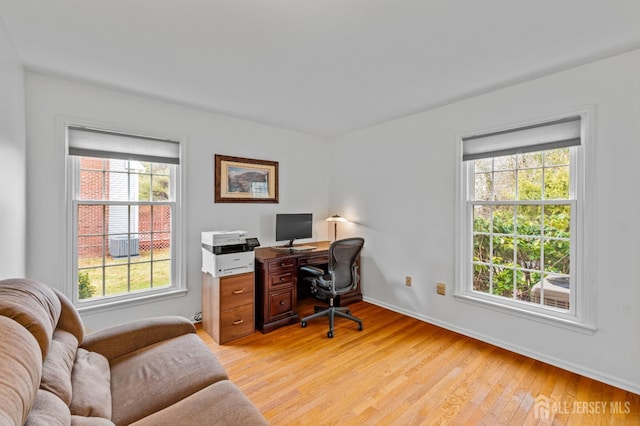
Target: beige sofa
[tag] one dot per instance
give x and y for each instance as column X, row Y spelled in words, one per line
column 149, row 372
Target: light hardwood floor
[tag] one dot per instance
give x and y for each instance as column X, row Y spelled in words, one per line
column 402, row 371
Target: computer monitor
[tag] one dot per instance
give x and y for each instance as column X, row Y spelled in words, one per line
column 293, row 226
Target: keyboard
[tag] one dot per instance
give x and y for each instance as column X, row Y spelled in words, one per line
column 294, row 248
column 303, row 248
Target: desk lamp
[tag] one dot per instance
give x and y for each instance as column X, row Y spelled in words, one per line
column 335, row 219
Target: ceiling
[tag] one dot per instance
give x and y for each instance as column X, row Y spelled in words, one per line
column 324, row 67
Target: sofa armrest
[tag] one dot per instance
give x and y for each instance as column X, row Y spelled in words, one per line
column 114, row 342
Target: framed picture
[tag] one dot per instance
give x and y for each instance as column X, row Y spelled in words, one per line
column 245, row 180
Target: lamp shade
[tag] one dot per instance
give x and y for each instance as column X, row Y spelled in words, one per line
column 336, row 218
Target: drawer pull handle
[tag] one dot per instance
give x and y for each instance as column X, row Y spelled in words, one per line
column 283, row 265
column 238, row 322
column 238, row 291
column 281, row 302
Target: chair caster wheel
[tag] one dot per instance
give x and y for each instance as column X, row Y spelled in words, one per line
column 348, row 312
column 359, row 327
column 303, row 324
column 330, row 334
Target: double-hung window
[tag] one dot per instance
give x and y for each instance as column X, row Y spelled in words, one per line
column 124, row 214
column 521, row 218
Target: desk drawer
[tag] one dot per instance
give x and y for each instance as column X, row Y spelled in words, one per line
column 236, row 290
column 282, row 266
column 281, row 303
column 236, row 322
column 319, row 259
column 282, row 279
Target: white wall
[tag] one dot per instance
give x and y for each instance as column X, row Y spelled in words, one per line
column 12, row 160
column 301, row 158
column 397, row 181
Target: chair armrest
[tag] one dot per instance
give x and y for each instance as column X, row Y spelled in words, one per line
column 123, row 339
column 312, row 270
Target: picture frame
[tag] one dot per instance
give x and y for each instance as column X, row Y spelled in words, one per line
column 245, row 180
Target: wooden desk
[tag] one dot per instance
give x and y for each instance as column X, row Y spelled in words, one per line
column 278, row 278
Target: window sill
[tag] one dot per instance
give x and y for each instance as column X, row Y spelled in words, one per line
column 111, row 304
column 523, row 312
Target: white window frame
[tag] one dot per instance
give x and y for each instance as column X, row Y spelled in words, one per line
column 581, row 316
column 178, row 287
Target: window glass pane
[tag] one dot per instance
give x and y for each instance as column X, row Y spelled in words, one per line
column 118, row 188
column 530, row 160
column 483, row 186
column 553, row 291
column 481, row 218
column 529, row 219
column 481, row 278
column 161, row 273
column 503, row 282
column 161, row 245
column 91, row 220
column 526, row 282
column 161, row 169
column 556, row 183
column 145, row 239
column 502, row 250
column 116, row 280
column 160, row 188
column 505, row 185
column 140, row 167
column 92, row 187
column 122, row 247
column 90, row 251
column 528, row 252
column 557, row 256
column 482, row 248
column 557, row 221
column 530, row 184
column 557, row 157
column 121, row 219
column 161, row 219
column 141, row 275
column 144, row 187
column 89, row 283
column 508, row 162
column 503, row 219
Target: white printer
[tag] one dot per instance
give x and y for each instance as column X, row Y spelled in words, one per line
column 227, row 253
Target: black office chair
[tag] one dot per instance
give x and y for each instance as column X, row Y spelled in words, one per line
column 341, row 277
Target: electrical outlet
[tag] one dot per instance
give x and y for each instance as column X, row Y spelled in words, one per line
column 441, row 289
column 407, row 281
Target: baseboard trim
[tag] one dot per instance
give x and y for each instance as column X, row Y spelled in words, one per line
column 569, row 366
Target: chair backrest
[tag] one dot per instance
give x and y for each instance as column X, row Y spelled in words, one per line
column 343, row 255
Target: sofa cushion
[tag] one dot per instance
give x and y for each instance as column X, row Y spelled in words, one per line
column 160, row 375
column 221, row 403
column 32, row 304
column 91, row 382
column 48, row 410
column 20, row 370
column 56, row 369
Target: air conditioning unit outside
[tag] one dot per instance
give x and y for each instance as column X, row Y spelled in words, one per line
column 122, row 246
column 556, row 291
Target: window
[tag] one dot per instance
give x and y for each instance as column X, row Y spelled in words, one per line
column 521, row 218
column 124, row 214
